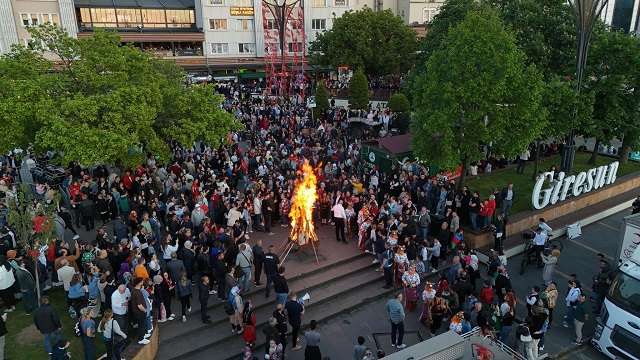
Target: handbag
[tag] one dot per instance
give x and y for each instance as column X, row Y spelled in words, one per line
column 115, row 338
column 228, row 308
column 238, row 272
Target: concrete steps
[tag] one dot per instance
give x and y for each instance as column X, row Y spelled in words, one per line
column 333, row 289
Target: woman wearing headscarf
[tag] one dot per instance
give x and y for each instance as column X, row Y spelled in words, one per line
column 550, row 263
column 236, row 302
column 248, row 324
column 410, row 282
column 7, row 281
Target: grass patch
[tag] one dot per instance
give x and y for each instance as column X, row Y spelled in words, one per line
column 24, row 341
column 523, row 183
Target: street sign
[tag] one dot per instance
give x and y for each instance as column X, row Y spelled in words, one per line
column 311, row 102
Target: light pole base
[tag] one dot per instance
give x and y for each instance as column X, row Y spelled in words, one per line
column 568, row 156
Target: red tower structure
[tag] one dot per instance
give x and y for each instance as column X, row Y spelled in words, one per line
column 284, row 36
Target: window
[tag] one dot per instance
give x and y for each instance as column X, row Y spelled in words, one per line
column 154, row 18
column 341, row 2
column 270, row 24
column 30, row 19
column 128, row 18
column 318, row 24
column 216, row 2
column 294, row 47
column 30, row 44
column 246, row 48
column 180, row 18
column 244, row 2
column 244, row 24
column 104, row 17
column 293, row 24
column 50, row 18
column 318, row 3
column 220, row 48
column 428, row 14
column 218, row 24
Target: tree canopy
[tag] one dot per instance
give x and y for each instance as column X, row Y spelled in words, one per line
column 399, row 103
column 612, row 77
column 104, row 103
column 377, row 41
column 476, row 91
column 358, row 91
column 322, row 101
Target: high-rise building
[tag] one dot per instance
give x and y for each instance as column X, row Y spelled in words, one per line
column 622, row 14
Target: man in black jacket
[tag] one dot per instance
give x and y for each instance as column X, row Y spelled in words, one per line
column 258, row 260
column 47, row 322
column 86, row 210
column 203, row 297
column 280, row 286
column 220, row 270
column 68, row 222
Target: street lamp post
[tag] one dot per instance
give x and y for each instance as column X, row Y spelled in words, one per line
column 281, row 11
column 585, row 14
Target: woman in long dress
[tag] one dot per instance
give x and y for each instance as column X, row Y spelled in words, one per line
column 401, row 263
column 411, row 281
column 428, row 295
column 549, row 265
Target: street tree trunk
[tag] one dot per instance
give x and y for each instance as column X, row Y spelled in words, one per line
column 537, row 161
column 623, row 154
column 594, row 153
column 466, row 162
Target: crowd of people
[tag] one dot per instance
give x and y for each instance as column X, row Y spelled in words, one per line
column 173, row 227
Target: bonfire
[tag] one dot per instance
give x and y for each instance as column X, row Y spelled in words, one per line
column 301, row 214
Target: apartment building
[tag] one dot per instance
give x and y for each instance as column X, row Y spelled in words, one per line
column 16, row 15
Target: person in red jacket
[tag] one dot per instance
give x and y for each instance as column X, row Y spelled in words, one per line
column 486, row 294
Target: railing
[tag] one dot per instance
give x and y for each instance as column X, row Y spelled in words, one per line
column 374, row 94
column 478, row 331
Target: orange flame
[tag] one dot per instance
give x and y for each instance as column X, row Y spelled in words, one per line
column 304, row 197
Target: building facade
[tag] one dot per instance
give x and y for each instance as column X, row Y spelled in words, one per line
column 16, row 15
column 622, row 15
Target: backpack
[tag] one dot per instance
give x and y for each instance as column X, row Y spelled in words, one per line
column 77, row 329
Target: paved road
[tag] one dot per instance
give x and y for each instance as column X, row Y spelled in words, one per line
column 579, row 256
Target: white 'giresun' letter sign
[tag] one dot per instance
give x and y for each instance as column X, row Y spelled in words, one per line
column 577, row 184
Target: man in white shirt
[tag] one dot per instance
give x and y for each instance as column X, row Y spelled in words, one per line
column 257, row 211
column 546, row 229
column 65, row 274
column 339, row 217
column 120, row 305
column 538, row 242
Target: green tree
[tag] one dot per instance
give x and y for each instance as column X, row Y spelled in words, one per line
column 358, row 91
column 476, row 91
column 399, row 103
column 107, row 103
column 23, row 216
column 544, row 30
column 322, row 101
column 377, row 41
column 612, row 76
column 452, row 13
column 566, row 107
